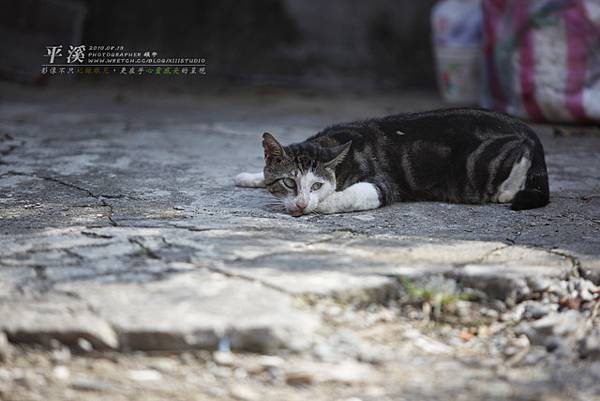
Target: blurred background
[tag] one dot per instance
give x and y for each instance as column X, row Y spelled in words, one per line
column 536, row 59
column 324, row 44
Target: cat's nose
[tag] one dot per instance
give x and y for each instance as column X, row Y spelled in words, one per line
column 302, row 204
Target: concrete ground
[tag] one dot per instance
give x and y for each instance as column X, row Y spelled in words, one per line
column 132, row 268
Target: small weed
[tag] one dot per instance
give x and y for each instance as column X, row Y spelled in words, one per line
column 436, row 295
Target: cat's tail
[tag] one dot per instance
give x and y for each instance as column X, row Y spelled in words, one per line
column 536, row 192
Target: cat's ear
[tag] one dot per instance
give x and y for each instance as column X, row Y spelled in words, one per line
column 273, row 149
column 339, row 153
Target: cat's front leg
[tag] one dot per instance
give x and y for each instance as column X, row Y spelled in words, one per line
column 250, row 180
column 360, row 196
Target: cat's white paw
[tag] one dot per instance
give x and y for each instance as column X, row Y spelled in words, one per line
column 250, row 180
column 359, row 196
column 329, row 205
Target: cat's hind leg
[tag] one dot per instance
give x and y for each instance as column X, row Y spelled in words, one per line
column 536, row 192
column 360, row 196
column 515, row 181
column 250, row 180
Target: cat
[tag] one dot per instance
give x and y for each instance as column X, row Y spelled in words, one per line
column 460, row 155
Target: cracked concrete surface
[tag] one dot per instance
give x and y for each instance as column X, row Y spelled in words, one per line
column 120, row 225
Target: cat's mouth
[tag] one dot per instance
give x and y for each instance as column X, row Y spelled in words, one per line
column 297, row 213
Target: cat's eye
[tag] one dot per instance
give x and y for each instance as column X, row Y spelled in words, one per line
column 288, row 182
column 316, row 186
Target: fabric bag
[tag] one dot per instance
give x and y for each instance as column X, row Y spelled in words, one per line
column 542, row 59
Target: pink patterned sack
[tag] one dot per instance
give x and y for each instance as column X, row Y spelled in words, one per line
column 542, row 59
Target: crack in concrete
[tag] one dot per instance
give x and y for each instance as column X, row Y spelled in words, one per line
column 230, row 274
column 188, row 228
column 146, row 251
column 92, row 234
column 489, row 253
column 40, row 272
column 324, row 240
column 67, row 184
column 38, row 250
column 68, row 251
column 348, row 230
column 577, row 269
column 101, row 197
column 513, row 240
column 87, row 191
column 305, row 247
column 11, row 148
column 110, row 213
column 167, row 226
column 167, row 243
column 43, row 285
column 268, row 254
column 72, row 253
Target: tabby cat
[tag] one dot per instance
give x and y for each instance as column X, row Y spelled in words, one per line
column 454, row 155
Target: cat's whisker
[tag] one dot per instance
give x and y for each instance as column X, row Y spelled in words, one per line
column 275, row 205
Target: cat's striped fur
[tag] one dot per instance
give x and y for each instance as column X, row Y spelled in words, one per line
column 453, row 155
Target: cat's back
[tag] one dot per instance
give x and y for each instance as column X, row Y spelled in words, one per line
column 456, row 126
column 457, row 123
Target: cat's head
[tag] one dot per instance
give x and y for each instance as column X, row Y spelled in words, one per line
column 301, row 175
